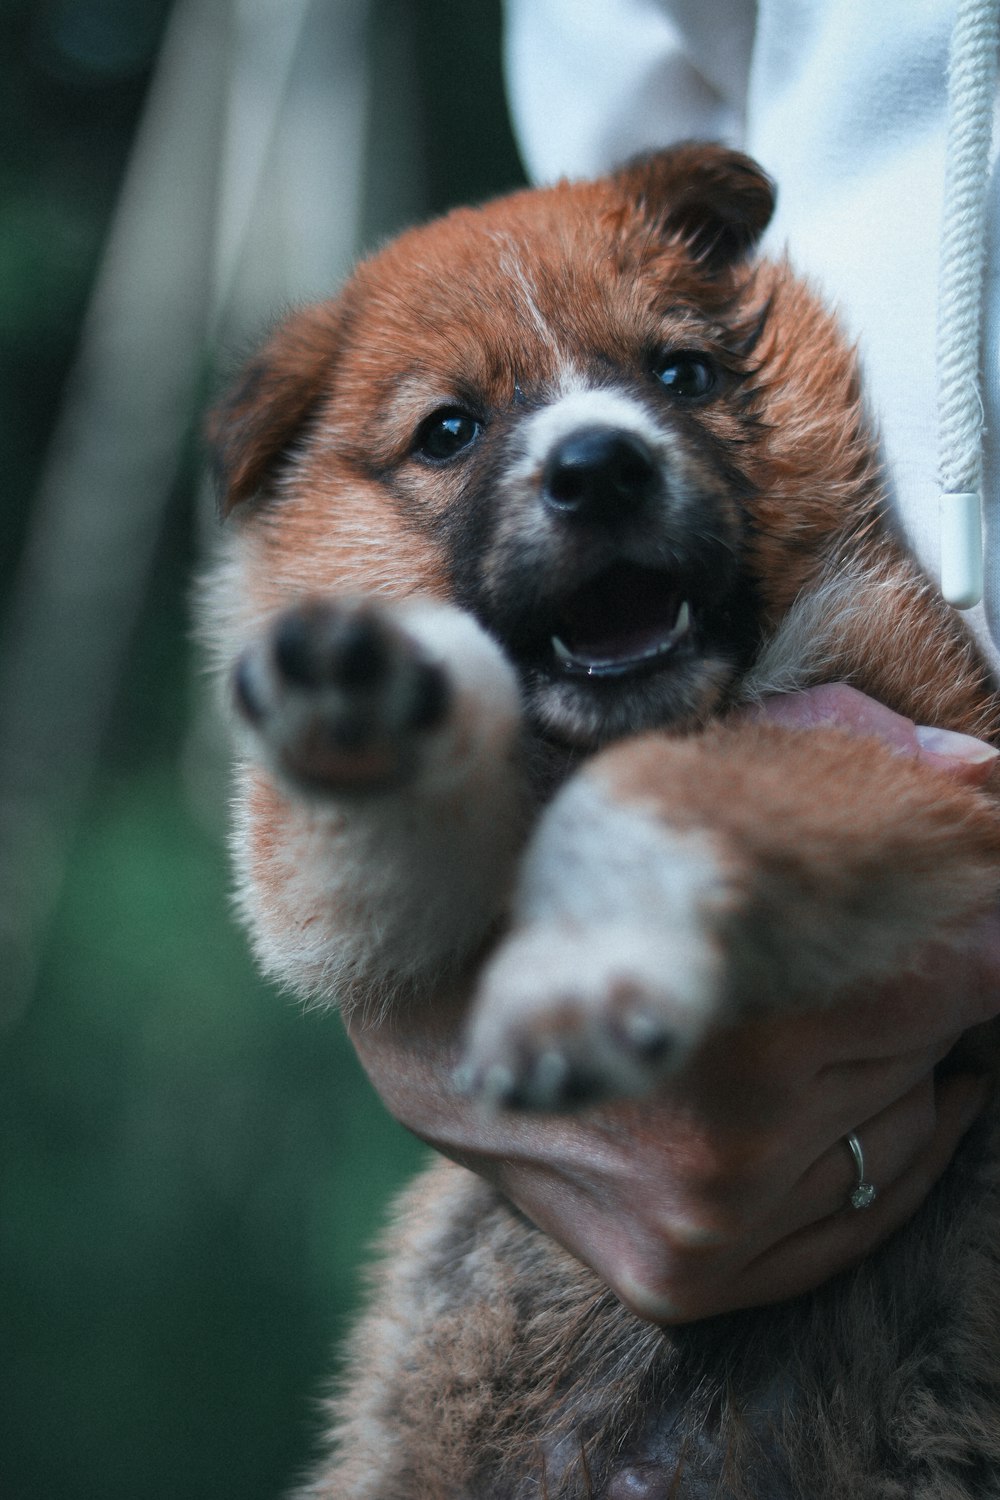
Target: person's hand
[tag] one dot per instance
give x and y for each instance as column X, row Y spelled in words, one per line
column 730, row 1187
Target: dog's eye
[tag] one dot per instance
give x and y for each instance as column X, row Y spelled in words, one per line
column 686, row 375
column 445, row 433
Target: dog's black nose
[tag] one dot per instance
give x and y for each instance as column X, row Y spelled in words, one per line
column 599, row 473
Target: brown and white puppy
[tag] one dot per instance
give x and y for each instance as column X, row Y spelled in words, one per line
column 512, row 525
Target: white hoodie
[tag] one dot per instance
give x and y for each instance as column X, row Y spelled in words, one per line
column 844, row 103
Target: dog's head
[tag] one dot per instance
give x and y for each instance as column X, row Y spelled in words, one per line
column 584, row 414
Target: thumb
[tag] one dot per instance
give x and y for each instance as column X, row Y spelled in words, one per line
column 843, row 707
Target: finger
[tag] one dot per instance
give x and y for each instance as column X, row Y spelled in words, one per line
column 945, row 994
column 891, row 1142
column 843, row 707
column 805, row 1260
column 773, row 1200
column 837, row 705
column 743, row 1076
column 861, row 1087
column 794, row 1097
column 959, row 755
column 737, row 1186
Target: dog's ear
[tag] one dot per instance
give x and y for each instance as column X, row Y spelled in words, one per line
column 254, row 425
column 717, row 201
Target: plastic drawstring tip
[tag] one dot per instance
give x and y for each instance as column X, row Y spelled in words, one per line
column 961, row 550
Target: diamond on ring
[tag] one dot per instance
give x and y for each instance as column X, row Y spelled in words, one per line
column 864, row 1194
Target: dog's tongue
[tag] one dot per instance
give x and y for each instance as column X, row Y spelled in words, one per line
column 624, row 618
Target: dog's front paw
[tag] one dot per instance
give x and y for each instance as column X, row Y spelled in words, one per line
column 339, row 698
column 565, row 1018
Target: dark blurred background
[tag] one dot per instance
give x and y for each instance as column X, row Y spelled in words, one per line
column 190, row 1169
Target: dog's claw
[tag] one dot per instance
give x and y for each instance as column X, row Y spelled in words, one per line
column 539, row 1083
column 551, row 1073
column 648, row 1036
column 565, row 1020
column 573, row 1072
column 497, row 1085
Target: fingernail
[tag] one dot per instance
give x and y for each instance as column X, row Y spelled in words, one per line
column 954, row 746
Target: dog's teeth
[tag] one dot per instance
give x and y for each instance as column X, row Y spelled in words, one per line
column 618, row 664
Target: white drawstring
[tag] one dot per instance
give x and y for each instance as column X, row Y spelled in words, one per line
column 972, row 75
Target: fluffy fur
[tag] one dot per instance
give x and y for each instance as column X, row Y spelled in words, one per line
column 513, row 525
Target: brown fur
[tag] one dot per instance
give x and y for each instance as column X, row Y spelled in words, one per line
column 405, row 824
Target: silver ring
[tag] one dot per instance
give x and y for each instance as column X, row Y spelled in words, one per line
column 864, row 1194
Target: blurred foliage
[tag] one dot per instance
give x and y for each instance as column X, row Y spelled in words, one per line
column 74, row 76
column 191, row 1168
column 183, row 1211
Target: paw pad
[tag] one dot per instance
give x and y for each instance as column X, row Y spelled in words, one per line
column 340, row 696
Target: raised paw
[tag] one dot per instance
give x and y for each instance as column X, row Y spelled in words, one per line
column 339, row 697
column 565, row 1018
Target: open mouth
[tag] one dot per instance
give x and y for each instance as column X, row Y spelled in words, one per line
column 628, row 619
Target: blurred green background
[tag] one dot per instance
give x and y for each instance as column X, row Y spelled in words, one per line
column 190, row 1169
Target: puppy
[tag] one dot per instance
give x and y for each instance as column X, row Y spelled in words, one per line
column 512, row 526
